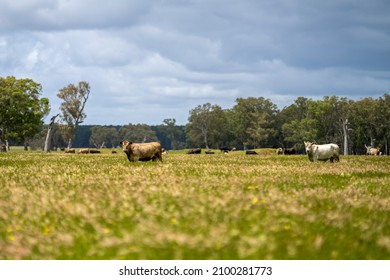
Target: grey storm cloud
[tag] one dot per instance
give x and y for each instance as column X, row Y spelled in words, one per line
column 151, row 60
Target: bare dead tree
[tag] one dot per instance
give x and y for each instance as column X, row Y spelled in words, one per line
column 48, row 145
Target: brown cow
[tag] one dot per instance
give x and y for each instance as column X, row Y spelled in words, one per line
column 89, row 151
column 375, row 152
column 142, row 151
column 195, row 151
column 371, row 151
column 84, row 151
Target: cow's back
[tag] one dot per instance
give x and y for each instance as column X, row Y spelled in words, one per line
column 146, row 151
column 327, row 151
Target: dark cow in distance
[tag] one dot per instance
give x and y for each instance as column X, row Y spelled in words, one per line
column 142, row 151
column 227, row 149
column 251, row 152
column 194, row 151
column 290, row 151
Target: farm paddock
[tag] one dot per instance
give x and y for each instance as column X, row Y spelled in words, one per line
column 219, row 206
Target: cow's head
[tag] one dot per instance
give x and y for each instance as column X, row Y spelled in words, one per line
column 308, row 146
column 125, row 145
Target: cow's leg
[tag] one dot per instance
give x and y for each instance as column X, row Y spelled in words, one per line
column 128, row 155
column 158, row 156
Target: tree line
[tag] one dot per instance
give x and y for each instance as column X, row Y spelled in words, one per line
column 253, row 122
column 256, row 122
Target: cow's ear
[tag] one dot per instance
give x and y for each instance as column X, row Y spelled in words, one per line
column 130, row 143
column 121, row 143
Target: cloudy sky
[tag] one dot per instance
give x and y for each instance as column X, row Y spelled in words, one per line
column 151, row 60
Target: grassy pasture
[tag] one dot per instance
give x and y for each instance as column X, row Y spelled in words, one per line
column 100, row 206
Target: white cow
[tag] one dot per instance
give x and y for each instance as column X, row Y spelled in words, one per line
column 322, row 152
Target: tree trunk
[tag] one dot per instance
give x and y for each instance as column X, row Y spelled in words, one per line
column 3, row 142
column 345, row 133
column 48, row 147
column 205, row 142
column 69, row 143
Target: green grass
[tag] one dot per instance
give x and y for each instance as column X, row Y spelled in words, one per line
column 100, row 206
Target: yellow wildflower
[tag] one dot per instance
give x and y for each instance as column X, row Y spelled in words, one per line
column 46, row 230
column 255, row 200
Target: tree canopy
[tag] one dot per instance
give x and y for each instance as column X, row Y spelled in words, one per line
column 72, row 108
column 22, row 110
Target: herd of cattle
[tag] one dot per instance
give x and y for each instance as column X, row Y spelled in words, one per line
column 154, row 151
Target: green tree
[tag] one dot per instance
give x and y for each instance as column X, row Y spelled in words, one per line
column 384, row 122
column 220, row 133
column 198, row 125
column 330, row 112
column 137, row 133
column 254, row 120
column 364, row 121
column 103, row 136
column 72, row 108
column 298, row 131
column 298, row 123
column 21, row 109
column 171, row 130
